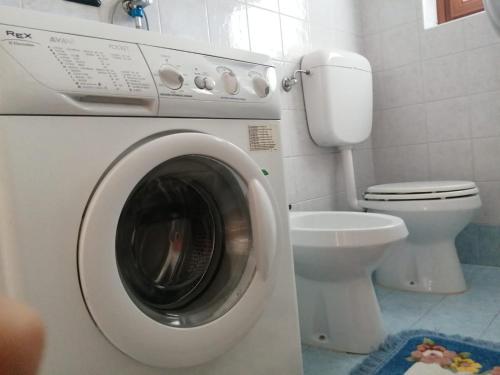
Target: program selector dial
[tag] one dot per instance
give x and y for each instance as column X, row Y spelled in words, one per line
column 171, row 77
column 231, row 84
column 261, row 87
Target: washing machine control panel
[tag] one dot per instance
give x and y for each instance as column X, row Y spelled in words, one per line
column 80, row 65
column 197, row 77
column 77, row 74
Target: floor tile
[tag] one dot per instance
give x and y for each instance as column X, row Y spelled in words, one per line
column 475, row 313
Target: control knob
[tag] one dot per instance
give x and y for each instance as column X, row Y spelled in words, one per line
column 171, row 77
column 261, row 87
column 204, row 83
column 231, row 84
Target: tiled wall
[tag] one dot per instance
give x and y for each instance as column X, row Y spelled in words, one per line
column 284, row 29
column 437, row 107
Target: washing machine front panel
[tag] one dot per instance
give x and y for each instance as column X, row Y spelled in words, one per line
column 176, row 247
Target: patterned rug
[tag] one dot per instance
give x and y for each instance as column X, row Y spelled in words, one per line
column 430, row 353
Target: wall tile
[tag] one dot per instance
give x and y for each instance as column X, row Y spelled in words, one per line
column 489, row 246
column 370, row 16
column 11, row 3
column 482, row 69
column 265, row 32
column 400, row 126
column 444, row 77
column 319, row 204
column 448, row 119
column 479, row 32
column 467, row 243
column 227, row 20
column 321, row 13
column 372, row 50
column 400, row 46
column 451, row 160
column 294, row 8
column 443, row 40
column 486, row 159
column 296, row 39
column 402, row 86
column 314, row 182
column 485, row 114
column 347, row 15
column 185, row 18
column 490, row 211
column 397, row 12
column 267, row 4
column 401, row 164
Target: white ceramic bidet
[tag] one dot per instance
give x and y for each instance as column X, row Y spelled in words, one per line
column 335, row 255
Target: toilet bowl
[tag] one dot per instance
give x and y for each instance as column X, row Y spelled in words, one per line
column 435, row 213
column 335, row 254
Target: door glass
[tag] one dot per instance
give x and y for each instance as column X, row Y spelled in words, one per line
column 183, row 241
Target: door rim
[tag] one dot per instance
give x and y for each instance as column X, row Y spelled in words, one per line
column 109, row 304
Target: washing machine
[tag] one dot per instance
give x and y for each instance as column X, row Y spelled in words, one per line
column 142, row 203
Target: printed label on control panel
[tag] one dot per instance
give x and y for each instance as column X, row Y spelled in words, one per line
column 262, row 138
column 71, row 63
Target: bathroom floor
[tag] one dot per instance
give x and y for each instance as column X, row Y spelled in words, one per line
column 475, row 313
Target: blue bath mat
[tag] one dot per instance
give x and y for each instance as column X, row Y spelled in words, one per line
column 430, row 353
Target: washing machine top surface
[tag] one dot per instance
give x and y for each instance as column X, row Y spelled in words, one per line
column 421, row 190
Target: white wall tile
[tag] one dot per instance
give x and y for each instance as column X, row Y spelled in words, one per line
column 347, row 15
column 265, row 32
column 372, row 50
column 402, row 86
column 267, row 4
column 444, row 77
column 443, row 40
column 321, row 14
column 448, row 120
column 185, row 18
column 370, row 16
column 490, row 193
column 228, row 25
column 400, row 46
column 485, row 114
column 451, row 160
column 296, row 39
column 294, row 8
column 397, row 12
column 486, row 159
column 11, row 3
column 479, row 32
column 400, row 164
column 482, row 69
column 400, row 126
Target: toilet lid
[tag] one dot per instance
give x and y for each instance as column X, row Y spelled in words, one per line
column 424, row 190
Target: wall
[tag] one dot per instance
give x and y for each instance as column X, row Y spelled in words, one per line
column 284, row 29
column 437, row 108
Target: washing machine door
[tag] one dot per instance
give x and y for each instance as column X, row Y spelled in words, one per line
column 176, row 249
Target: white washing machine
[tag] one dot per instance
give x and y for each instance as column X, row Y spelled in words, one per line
column 142, row 204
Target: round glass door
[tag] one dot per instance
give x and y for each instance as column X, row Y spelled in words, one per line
column 176, row 249
column 183, row 241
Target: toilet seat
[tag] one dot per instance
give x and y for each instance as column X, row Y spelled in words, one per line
column 426, row 190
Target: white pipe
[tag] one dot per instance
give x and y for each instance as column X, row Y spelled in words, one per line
column 350, row 178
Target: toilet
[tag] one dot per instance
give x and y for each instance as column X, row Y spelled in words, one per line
column 435, row 213
column 335, row 254
column 339, row 105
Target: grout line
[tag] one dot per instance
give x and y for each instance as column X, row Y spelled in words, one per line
column 428, row 311
column 489, row 325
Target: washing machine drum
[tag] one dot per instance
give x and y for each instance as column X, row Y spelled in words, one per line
column 176, row 250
